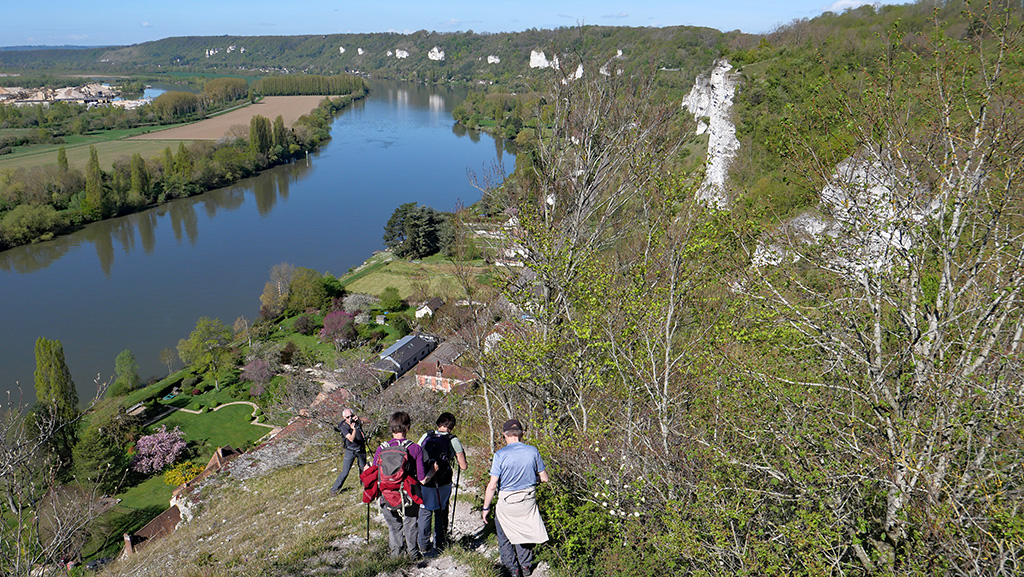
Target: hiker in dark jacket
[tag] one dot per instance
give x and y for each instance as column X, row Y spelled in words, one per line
column 437, row 489
column 355, row 446
column 401, row 517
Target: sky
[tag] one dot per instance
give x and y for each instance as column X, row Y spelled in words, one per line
column 121, row 22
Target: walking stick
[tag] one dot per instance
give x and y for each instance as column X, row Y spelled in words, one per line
column 367, row 522
column 454, row 500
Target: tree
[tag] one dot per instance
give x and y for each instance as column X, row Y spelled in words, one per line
column 43, row 520
column 414, row 231
column 62, row 160
column 126, row 374
column 275, row 292
column 280, row 133
column 153, row 453
column 94, row 205
column 207, row 347
column 912, row 303
column 339, row 328
column 139, row 179
column 98, row 460
column 260, row 135
column 53, row 384
column 306, row 290
column 167, row 356
column 390, row 300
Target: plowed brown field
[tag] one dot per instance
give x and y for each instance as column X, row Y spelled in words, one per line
column 289, row 107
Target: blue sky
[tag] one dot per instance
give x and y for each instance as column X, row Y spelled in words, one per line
column 116, row 22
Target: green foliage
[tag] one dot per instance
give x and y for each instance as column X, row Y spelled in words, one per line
column 414, row 231
column 126, row 371
column 99, row 460
column 312, row 84
column 390, row 300
column 207, row 347
column 53, row 385
column 226, row 89
column 261, row 137
column 306, row 291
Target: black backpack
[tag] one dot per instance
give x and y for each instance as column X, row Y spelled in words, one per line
column 438, row 449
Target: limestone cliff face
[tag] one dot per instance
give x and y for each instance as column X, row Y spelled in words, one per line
column 710, row 101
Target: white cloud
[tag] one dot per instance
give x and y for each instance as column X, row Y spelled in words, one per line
column 841, row 5
column 619, row 15
column 147, row 25
column 452, row 23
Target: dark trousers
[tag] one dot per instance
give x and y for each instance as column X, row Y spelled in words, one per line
column 346, row 465
column 401, row 530
column 440, row 526
column 517, row 559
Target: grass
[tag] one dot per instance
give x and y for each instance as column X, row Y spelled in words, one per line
column 227, row 426
column 436, row 277
column 138, row 506
column 107, row 149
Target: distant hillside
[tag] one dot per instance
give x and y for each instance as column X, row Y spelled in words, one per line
column 466, row 55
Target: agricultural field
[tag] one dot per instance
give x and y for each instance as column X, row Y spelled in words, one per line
column 433, row 275
column 108, row 151
column 290, row 108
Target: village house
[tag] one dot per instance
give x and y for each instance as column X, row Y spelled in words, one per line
column 439, row 371
column 429, row 308
column 402, row 356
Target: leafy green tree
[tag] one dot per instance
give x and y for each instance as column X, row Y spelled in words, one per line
column 183, row 163
column 53, row 383
column 99, row 460
column 139, row 179
column 62, row 160
column 414, row 231
column 126, row 374
column 57, row 397
column 280, row 133
column 306, row 290
column 390, row 300
column 94, row 203
column 260, row 135
column 207, row 347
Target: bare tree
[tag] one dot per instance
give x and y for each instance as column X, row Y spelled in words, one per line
column 913, row 300
column 43, row 521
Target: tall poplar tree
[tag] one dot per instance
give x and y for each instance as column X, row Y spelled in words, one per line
column 57, row 398
column 93, row 203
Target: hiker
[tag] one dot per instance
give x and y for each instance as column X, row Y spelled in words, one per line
column 400, row 471
column 515, row 472
column 351, row 428
column 440, row 450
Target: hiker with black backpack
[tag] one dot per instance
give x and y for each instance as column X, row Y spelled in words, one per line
column 442, row 450
column 400, row 471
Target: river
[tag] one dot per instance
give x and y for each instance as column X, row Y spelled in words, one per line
column 139, row 282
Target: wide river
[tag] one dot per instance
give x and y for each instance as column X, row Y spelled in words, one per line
column 140, row 282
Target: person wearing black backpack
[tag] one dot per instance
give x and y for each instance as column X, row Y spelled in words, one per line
column 441, row 451
column 400, row 471
column 355, row 447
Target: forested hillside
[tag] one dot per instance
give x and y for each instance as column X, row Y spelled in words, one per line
column 466, row 56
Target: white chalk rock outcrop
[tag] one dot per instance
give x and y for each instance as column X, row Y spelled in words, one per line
column 493, row 59
column 711, row 98
column 436, row 54
column 359, row 51
column 538, row 59
column 399, row 53
column 341, row 50
column 863, row 213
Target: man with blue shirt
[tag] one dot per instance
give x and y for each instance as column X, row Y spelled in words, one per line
column 515, row 472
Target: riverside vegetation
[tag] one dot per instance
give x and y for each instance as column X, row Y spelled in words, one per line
column 722, row 392
column 38, row 203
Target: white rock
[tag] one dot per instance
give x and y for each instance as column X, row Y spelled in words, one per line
column 399, row 53
column 538, row 60
column 390, row 53
column 436, row 54
column 341, row 50
column 493, row 59
column 359, row 51
column 712, row 97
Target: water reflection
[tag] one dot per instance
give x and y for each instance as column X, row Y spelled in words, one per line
column 130, row 231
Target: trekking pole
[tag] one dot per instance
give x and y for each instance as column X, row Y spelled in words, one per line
column 367, row 522
column 454, row 500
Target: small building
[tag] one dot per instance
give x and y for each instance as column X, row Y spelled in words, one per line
column 402, row 356
column 429, row 308
column 440, row 372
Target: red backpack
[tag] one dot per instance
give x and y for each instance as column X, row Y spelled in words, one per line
column 393, row 476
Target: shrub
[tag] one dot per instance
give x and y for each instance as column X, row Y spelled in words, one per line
column 182, row 473
column 156, row 451
column 305, row 324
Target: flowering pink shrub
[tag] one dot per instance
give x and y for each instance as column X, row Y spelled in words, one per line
column 339, row 326
column 156, row 451
column 258, row 372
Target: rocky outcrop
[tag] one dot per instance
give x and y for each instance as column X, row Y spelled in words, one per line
column 538, row 59
column 436, row 54
column 710, row 102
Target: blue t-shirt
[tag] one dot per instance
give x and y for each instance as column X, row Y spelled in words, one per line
column 516, row 466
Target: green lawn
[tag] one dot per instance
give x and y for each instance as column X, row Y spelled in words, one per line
column 139, row 505
column 228, row 426
column 107, row 150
